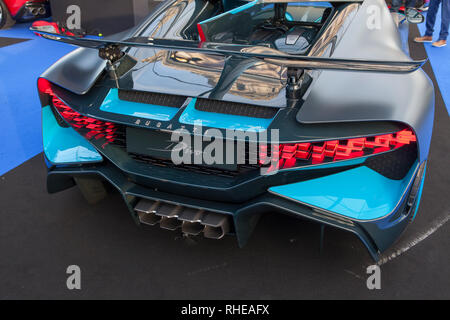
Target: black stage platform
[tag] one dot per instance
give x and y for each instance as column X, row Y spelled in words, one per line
column 41, row 234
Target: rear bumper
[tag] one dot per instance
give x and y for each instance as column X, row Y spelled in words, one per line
column 348, row 195
column 376, row 235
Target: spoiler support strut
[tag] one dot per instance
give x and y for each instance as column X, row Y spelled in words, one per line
column 119, row 62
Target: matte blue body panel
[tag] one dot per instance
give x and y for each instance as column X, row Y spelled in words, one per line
column 359, row 193
column 65, row 145
column 419, row 196
column 113, row 104
column 224, row 121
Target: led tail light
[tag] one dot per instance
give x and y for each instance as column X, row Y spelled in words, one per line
column 89, row 127
column 299, row 154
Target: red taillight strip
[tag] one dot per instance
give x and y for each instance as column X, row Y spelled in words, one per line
column 89, row 127
column 297, row 154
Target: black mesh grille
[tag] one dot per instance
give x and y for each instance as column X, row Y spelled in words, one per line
column 194, row 168
column 159, row 99
column 237, row 109
column 121, row 142
column 120, row 138
column 395, row 164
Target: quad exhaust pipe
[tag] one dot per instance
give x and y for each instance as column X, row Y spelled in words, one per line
column 191, row 221
column 37, row 11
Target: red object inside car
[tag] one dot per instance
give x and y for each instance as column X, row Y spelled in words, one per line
column 50, row 27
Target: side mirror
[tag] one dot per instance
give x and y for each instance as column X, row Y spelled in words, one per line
column 414, row 16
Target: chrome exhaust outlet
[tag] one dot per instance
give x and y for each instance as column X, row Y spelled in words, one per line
column 192, row 221
column 169, row 214
column 192, row 228
column 216, row 226
column 42, row 11
column 34, row 11
column 146, row 210
column 171, row 224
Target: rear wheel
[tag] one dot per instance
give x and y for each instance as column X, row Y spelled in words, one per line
column 6, row 21
column 93, row 190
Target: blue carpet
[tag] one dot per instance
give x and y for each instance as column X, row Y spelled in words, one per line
column 20, row 66
column 439, row 58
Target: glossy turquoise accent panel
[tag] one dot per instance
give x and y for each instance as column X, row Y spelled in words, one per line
column 113, row 104
column 65, row 145
column 224, row 121
column 359, row 193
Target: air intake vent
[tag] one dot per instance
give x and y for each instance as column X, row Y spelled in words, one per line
column 237, row 109
column 208, row 170
column 159, row 99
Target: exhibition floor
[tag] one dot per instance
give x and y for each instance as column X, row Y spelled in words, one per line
column 42, row 234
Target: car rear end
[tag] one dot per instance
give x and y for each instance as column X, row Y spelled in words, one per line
column 362, row 177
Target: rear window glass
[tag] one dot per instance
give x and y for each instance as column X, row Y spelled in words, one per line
column 306, row 11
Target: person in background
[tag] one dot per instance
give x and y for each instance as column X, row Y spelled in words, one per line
column 395, row 9
column 396, row 4
column 425, row 5
column 431, row 19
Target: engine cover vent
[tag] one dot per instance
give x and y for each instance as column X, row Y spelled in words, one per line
column 237, row 109
column 159, row 99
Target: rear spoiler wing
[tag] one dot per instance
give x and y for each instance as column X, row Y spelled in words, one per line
column 261, row 53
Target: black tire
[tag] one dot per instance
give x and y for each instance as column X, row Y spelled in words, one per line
column 92, row 190
column 6, row 21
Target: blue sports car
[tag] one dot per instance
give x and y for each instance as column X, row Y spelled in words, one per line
column 211, row 113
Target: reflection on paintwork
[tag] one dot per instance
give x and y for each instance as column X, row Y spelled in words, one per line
column 359, row 193
column 333, row 33
column 65, row 145
column 196, row 74
column 261, row 82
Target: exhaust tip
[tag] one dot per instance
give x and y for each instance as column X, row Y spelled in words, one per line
column 42, row 11
column 171, row 224
column 146, row 210
column 150, row 219
column 216, row 226
column 192, row 228
column 215, row 233
column 192, row 221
